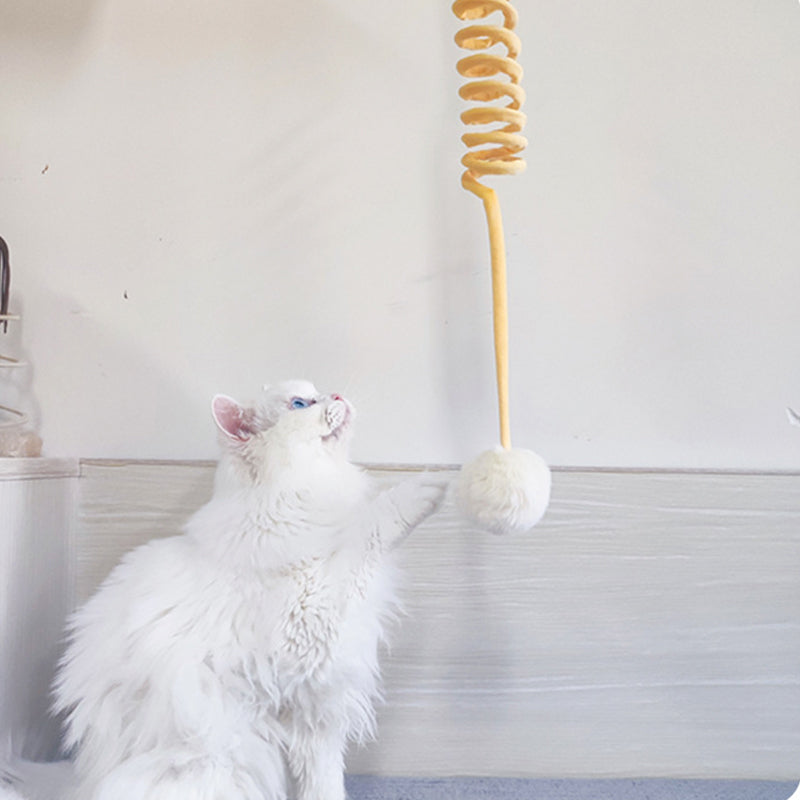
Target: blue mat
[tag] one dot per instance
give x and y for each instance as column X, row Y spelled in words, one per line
column 365, row 787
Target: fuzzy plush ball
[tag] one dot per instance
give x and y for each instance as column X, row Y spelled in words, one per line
column 504, row 491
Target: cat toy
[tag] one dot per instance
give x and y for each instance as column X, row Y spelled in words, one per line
column 505, row 490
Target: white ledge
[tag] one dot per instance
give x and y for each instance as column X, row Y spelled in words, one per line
column 15, row 469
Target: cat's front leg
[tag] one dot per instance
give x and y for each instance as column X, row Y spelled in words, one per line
column 400, row 509
column 316, row 766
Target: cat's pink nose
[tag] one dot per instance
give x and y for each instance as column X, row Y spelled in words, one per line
column 337, row 397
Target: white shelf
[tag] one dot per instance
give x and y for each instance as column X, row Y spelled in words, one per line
column 28, row 468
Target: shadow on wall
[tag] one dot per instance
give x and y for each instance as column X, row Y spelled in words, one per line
column 46, row 19
column 54, row 33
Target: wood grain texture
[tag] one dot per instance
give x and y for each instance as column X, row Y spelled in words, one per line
column 649, row 627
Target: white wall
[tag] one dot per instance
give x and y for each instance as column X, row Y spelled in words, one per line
column 201, row 196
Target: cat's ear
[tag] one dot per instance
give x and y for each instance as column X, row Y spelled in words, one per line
column 233, row 420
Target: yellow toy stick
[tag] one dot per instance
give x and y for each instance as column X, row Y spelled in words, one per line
column 497, row 246
column 501, row 157
column 504, row 490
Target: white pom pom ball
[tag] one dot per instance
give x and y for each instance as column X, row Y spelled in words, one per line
column 504, row 490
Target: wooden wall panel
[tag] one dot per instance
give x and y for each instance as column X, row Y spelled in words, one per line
column 649, row 627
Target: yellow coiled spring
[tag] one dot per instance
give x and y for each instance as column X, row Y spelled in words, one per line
column 497, row 150
column 503, row 158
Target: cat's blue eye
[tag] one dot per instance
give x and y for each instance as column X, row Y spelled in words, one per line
column 299, row 402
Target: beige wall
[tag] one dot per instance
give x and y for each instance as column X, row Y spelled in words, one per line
column 201, row 196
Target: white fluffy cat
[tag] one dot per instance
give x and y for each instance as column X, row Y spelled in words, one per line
column 235, row 661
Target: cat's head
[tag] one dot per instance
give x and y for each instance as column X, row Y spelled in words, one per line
column 294, row 429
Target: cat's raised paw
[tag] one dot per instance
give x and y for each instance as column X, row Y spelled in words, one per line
column 335, row 414
column 417, row 498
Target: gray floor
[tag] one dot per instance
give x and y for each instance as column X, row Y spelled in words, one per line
column 375, row 788
column 48, row 781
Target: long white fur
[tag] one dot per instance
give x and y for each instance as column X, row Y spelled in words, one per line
column 237, row 660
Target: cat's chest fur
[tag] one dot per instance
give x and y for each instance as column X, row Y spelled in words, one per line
column 310, row 618
column 313, row 612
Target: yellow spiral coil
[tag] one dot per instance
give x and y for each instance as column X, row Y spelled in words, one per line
column 498, row 76
column 494, row 151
